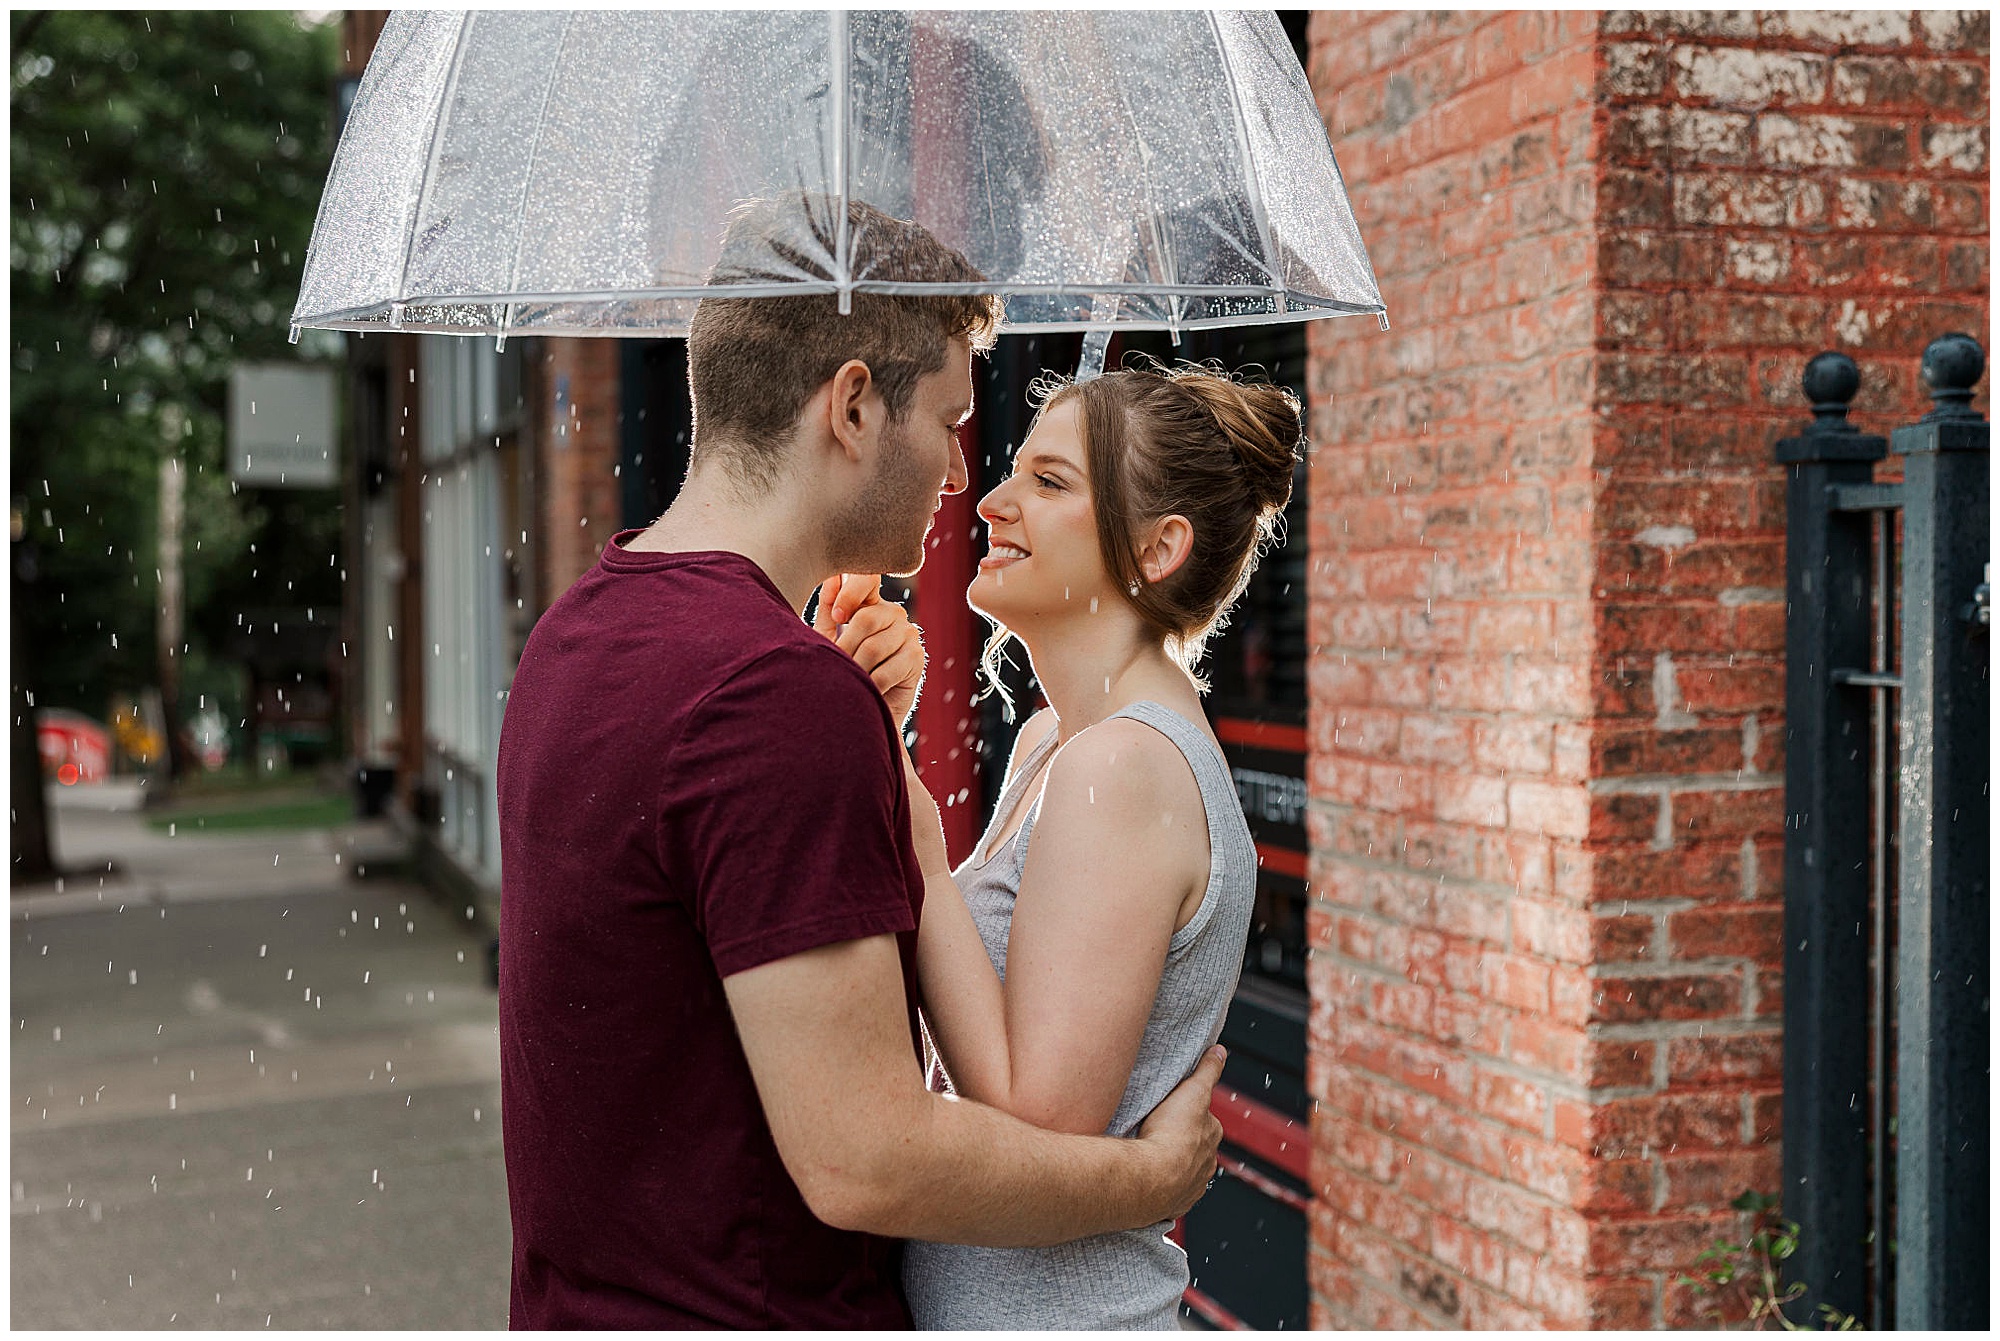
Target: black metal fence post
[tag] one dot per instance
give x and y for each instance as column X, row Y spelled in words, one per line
column 1826, row 1183
column 1943, row 1099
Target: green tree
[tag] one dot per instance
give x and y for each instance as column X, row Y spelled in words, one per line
column 166, row 171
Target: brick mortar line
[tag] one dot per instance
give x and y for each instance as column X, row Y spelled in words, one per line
column 1654, row 784
column 1656, row 907
column 1676, row 968
column 1656, row 1031
column 1489, row 890
column 1789, row 44
column 1860, row 115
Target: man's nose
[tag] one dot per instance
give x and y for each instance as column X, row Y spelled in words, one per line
column 956, row 475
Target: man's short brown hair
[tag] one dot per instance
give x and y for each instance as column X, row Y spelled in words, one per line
column 754, row 362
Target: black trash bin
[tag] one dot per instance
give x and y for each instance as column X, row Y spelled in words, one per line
column 372, row 787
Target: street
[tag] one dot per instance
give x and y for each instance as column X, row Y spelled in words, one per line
column 249, row 1090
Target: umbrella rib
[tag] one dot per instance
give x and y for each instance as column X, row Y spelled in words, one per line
column 437, row 148
column 528, row 177
column 1251, row 177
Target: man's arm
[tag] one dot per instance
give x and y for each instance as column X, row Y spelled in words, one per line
column 826, row 1036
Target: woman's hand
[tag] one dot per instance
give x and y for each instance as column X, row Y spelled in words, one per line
column 878, row 634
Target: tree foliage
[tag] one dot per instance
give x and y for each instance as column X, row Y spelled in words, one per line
column 166, row 170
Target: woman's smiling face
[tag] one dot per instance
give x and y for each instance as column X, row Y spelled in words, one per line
column 1042, row 555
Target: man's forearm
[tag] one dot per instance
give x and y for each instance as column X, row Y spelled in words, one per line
column 968, row 1173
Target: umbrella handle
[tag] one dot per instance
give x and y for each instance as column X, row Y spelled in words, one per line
column 1090, row 363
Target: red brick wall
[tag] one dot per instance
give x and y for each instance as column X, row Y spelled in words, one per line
column 1547, row 614
column 1772, row 185
column 574, row 404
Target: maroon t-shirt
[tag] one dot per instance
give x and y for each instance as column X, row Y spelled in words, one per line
column 692, row 783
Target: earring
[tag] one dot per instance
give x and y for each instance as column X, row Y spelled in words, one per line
column 1133, row 590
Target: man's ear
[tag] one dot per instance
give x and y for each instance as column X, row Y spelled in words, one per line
column 854, row 408
column 1168, row 544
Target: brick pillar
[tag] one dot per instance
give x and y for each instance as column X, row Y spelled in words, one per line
column 576, row 441
column 1547, row 615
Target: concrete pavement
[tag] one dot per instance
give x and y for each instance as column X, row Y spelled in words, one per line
column 249, row 1090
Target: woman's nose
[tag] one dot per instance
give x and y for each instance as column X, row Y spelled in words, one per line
column 991, row 508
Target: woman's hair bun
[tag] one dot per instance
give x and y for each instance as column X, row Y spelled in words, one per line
column 1262, row 422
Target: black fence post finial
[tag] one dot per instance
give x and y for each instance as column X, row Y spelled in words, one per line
column 1953, row 365
column 1830, row 381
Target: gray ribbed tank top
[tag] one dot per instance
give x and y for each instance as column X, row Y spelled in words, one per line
column 1131, row 1280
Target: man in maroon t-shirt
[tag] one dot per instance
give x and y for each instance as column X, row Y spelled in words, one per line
column 713, row 1104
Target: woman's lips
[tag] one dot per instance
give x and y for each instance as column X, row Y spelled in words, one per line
column 1002, row 556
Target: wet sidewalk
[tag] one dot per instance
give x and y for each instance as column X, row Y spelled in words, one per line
column 106, row 841
column 249, row 1089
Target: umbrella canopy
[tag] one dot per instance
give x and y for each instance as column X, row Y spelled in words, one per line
column 571, row 173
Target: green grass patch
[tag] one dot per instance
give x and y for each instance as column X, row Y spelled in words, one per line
column 238, row 780
column 293, row 811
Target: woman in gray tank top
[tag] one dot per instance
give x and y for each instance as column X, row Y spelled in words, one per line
column 1076, row 967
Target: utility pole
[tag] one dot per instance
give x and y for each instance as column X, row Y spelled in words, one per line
column 173, row 493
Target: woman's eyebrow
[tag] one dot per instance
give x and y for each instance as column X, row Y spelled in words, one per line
column 1051, row 459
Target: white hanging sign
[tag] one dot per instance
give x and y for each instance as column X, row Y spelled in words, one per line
column 281, row 426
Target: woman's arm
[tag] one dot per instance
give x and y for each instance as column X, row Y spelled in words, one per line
column 950, row 953
column 1120, row 838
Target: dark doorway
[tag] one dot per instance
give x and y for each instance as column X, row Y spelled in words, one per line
column 657, row 424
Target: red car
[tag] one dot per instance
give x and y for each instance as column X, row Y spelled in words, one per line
column 74, row 748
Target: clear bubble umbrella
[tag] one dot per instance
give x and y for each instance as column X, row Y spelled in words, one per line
column 571, row 173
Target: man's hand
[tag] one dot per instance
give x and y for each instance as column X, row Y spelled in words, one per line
column 878, row 634
column 1187, row 1134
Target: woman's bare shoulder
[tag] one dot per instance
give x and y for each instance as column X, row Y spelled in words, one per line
column 1123, row 769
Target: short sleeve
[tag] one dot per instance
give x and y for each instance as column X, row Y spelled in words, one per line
column 782, row 814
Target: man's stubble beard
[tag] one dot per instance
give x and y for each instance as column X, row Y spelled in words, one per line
column 883, row 530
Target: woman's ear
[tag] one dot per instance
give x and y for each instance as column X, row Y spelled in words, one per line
column 1170, row 541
